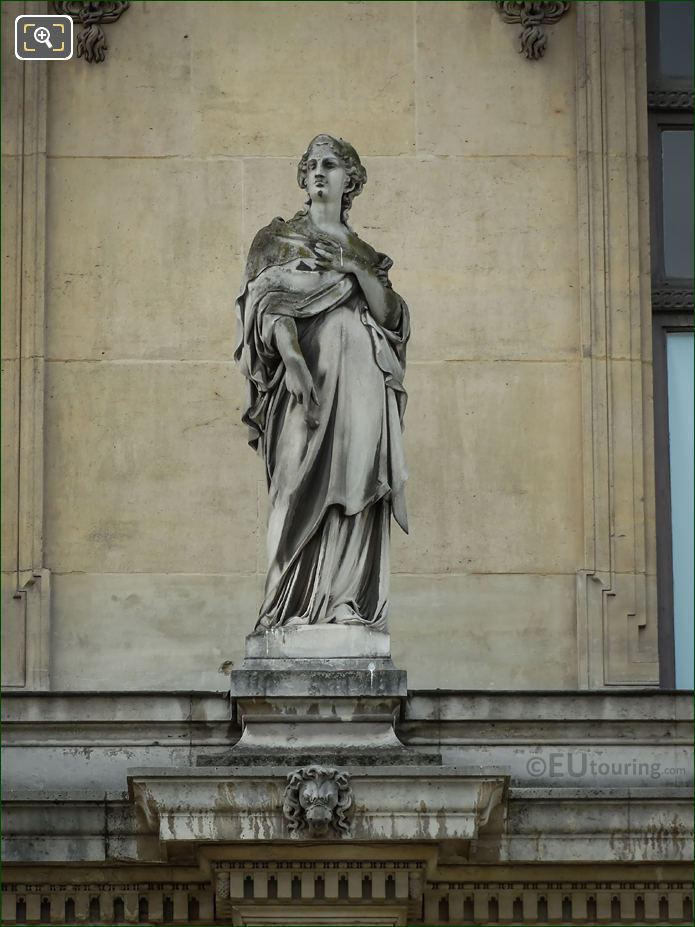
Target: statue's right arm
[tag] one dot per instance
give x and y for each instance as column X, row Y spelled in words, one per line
column 287, row 342
column 297, row 376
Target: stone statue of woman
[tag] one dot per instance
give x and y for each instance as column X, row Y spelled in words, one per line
column 322, row 346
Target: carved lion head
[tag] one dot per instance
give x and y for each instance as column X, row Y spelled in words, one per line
column 317, row 800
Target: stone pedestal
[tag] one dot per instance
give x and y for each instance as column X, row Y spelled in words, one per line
column 326, row 692
column 318, row 642
column 319, row 758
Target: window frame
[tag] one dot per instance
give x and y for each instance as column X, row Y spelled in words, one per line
column 670, row 106
column 662, row 324
column 679, row 288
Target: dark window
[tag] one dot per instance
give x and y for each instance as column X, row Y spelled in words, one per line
column 444, row 909
column 677, row 187
column 493, row 910
column 168, row 910
column 675, row 39
column 94, row 910
column 639, row 908
column 118, row 910
column 670, row 98
column 615, row 909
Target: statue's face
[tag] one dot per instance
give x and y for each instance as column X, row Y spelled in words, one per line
column 326, row 177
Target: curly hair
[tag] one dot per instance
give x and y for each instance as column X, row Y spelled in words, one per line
column 346, row 154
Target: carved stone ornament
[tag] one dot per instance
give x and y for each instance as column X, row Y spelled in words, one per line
column 317, row 802
column 91, row 41
column 532, row 40
column 672, row 299
column 681, row 99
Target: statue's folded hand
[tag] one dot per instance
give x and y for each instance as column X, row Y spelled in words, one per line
column 344, row 259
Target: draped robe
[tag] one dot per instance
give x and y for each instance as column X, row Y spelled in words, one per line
column 332, row 488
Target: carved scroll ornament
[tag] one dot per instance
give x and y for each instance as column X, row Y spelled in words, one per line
column 672, row 299
column 532, row 40
column 317, row 802
column 91, row 41
column 681, row 99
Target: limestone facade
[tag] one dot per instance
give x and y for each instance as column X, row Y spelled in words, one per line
column 158, row 166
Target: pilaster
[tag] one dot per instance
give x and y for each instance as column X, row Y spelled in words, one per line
column 25, row 580
column 616, row 589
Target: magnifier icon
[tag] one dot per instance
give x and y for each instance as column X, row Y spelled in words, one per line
column 42, row 35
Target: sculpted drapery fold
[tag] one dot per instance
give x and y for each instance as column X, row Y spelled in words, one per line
column 334, row 481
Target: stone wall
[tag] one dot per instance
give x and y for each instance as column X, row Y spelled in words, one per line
column 160, row 165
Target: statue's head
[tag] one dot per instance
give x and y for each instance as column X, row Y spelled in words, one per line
column 355, row 173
